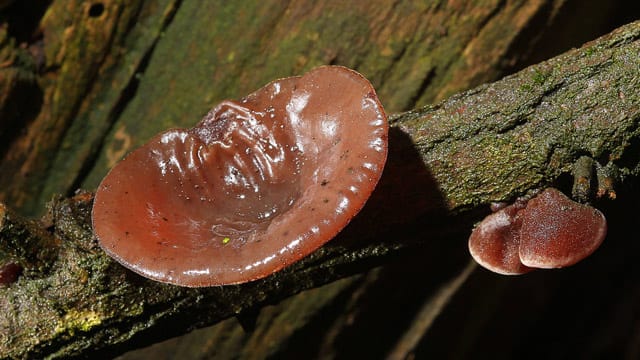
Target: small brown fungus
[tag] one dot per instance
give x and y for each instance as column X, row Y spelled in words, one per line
column 495, row 242
column 558, row 232
column 9, row 273
column 255, row 186
column 548, row 231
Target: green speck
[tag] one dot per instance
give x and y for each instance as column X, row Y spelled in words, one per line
column 526, row 87
column 226, row 240
column 539, row 77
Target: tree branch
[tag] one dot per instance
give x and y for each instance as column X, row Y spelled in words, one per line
column 446, row 164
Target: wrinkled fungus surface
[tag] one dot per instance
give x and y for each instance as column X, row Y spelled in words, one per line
column 255, row 186
column 548, row 231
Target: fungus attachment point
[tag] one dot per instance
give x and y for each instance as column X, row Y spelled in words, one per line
column 548, row 231
column 255, row 186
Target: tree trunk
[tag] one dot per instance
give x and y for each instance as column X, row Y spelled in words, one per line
column 106, row 80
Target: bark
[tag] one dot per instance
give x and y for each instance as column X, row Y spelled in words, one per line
column 75, row 59
column 447, row 163
column 105, row 76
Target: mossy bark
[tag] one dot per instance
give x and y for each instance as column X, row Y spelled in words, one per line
column 105, row 76
column 82, row 59
column 447, row 163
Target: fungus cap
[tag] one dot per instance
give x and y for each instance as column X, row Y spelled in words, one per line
column 548, row 231
column 558, row 232
column 495, row 242
column 255, row 186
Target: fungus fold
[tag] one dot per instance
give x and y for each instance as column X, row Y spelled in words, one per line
column 548, row 231
column 258, row 184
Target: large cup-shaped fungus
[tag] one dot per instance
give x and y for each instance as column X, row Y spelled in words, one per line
column 255, row 186
column 548, row 231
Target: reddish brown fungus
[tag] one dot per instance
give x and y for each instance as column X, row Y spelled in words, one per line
column 255, row 186
column 9, row 273
column 495, row 242
column 548, row 231
column 558, row 232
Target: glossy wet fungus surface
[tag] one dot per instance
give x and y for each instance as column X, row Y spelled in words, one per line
column 255, row 186
column 548, row 231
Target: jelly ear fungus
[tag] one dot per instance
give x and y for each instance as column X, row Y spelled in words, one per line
column 548, row 231
column 255, row 186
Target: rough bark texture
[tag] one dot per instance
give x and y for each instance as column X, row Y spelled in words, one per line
column 106, row 76
column 100, row 74
column 80, row 49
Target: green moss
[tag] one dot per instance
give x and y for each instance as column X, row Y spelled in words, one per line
column 538, row 77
